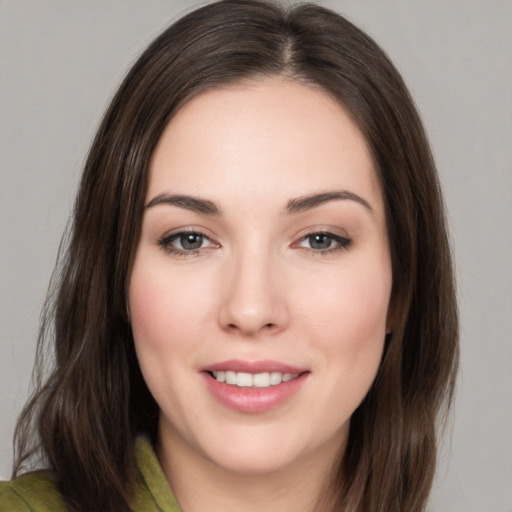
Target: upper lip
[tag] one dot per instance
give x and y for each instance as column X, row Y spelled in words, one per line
column 261, row 366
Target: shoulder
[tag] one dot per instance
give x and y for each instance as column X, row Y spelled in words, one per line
column 37, row 492
column 32, row 492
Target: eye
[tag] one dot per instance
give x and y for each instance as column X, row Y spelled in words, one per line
column 189, row 241
column 324, row 242
column 185, row 243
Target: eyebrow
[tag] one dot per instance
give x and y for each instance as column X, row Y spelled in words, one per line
column 297, row 205
column 304, row 203
column 194, row 204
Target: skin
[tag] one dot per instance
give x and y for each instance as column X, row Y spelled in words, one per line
column 259, row 288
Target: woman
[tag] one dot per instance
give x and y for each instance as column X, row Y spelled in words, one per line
column 256, row 305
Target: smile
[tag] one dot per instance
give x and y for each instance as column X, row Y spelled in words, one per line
column 253, row 386
column 258, row 380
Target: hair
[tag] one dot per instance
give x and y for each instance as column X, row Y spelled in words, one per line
column 86, row 410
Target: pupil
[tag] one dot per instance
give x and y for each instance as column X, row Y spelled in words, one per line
column 191, row 241
column 320, row 241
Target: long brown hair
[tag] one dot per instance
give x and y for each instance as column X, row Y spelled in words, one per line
column 87, row 409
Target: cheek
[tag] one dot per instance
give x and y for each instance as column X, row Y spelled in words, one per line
column 347, row 323
column 164, row 308
column 148, row 306
column 151, row 326
column 347, row 328
column 350, row 309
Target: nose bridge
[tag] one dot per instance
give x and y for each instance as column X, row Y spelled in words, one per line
column 253, row 299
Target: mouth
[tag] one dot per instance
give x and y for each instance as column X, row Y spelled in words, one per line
column 254, row 386
column 249, row 380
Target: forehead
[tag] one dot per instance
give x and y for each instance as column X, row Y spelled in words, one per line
column 295, row 137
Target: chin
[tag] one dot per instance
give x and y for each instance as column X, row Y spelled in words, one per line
column 263, row 451
column 252, row 462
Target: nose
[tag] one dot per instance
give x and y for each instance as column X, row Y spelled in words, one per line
column 253, row 297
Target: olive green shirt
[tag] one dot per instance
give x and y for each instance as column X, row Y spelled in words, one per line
column 36, row 492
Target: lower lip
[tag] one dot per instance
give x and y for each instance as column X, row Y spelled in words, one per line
column 252, row 399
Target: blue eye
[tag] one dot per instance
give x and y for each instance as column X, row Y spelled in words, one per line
column 324, row 242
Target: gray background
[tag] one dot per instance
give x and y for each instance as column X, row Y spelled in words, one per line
column 61, row 62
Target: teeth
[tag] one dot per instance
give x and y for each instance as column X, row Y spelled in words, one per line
column 243, row 379
column 261, row 380
column 258, row 380
column 275, row 378
column 230, row 378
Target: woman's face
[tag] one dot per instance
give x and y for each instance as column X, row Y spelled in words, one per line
column 260, row 289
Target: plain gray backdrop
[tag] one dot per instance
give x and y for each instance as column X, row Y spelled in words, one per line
column 61, row 61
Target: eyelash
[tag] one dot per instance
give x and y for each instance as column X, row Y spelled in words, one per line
column 341, row 243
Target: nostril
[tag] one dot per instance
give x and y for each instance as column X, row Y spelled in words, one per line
column 267, row 326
